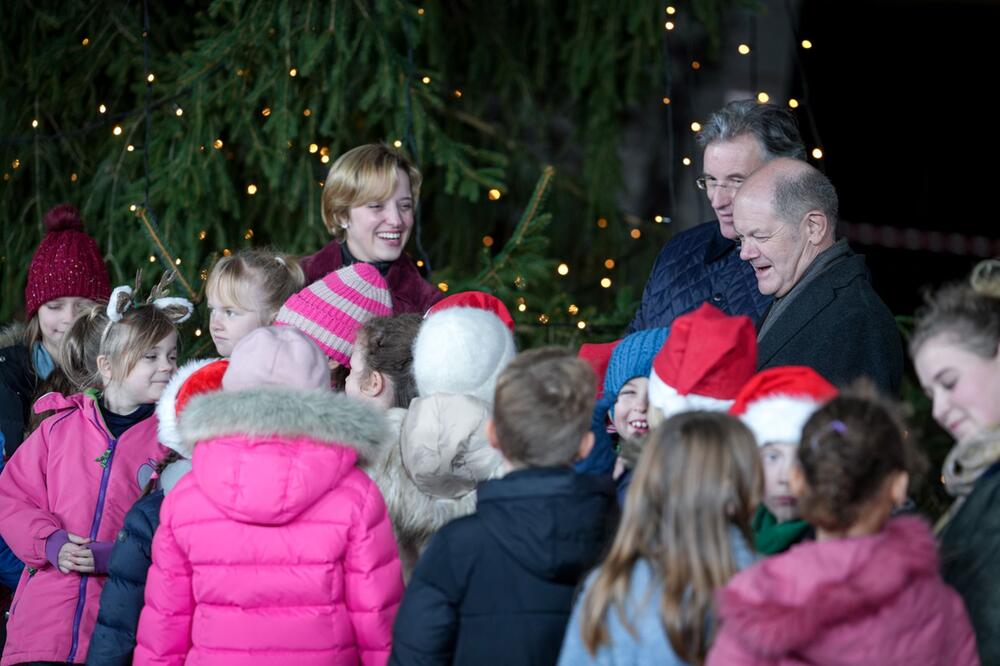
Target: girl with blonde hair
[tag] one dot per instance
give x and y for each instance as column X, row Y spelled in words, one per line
column 245, row 290
column 64, row 494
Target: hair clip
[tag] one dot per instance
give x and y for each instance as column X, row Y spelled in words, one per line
column 838, row 426
column 835, row 425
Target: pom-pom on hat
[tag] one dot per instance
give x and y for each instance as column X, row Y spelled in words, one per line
column 331, row 310
column 461, row 350
column 776, row 403
column 598, row 355
column 191, row 379
column 633, row 357
column 706, row 360
column 66, row 263
column 475, row 299
column 276, row 356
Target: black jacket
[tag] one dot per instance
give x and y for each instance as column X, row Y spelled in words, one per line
column 113, row 639
column 17, row 390
column 698, row 266
column 497, row 587
column 839, row 327
column 969, row 544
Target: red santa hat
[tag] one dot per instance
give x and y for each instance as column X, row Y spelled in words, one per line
column 598, row 355
column 191, row 379
column 706, row 359
column 474, row 299
column 776, row 403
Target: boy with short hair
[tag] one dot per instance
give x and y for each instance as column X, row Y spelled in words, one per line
column 497, row 587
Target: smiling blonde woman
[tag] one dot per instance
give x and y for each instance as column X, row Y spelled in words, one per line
column 369, row 206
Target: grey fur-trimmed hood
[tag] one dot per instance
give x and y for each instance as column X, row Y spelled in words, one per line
column 14, row 333
column 327, row 417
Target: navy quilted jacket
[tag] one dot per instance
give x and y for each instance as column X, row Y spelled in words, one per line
column 123, row 595
column 697, row 266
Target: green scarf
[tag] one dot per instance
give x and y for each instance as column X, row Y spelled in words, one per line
column 771, row 537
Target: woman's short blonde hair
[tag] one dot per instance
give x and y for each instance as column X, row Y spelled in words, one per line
column 363, row 175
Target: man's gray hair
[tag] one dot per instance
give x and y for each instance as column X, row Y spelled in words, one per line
column 809, row 190
column 774, row 127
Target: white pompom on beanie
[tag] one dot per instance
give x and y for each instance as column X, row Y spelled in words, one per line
column 461, row 350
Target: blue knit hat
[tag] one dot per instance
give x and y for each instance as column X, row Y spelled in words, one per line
column 633, row 357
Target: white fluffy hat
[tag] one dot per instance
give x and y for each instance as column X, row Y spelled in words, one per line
column 461, row 350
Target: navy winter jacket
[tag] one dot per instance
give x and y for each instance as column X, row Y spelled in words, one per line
column 698, row 265
column 123, row 595
column 497, row 587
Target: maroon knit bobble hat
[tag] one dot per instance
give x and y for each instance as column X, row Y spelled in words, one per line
column 66, row 263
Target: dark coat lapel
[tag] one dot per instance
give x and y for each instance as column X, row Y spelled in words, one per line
column 818, row 296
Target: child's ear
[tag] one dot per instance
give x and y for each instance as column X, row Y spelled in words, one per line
column 104, row 368
column 491, row 435
column 586, row 445
column 375, row 384
column 900, row 484
column 797, row 481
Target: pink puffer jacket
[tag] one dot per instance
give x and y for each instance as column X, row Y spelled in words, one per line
column 72, row 475
column 866, row 600
column 276, row 548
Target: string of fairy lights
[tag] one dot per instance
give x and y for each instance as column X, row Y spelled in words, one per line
column 672, row 24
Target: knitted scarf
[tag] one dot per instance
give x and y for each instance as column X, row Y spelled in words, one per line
column 771, row 537
column 966, row 462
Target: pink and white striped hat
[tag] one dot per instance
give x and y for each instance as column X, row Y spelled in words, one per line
column 331, row 310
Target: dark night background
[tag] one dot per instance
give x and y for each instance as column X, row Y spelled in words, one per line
column 900, row 94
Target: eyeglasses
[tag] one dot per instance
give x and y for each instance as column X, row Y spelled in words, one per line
column 711, row 184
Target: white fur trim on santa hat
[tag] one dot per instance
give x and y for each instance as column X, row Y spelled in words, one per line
column 166, row 407
column 666, row 398
column 461, row 350
column 778, row 418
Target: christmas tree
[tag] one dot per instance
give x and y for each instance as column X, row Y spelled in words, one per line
column 183, row 132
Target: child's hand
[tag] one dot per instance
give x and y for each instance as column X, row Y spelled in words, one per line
column 75, row 556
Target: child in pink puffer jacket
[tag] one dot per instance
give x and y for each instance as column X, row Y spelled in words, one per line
column 276, row 548
column 65, row 492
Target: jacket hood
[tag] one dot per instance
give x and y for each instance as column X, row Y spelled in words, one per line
column 264, row 456
column 552, row 521
column 15, row 333
column 444, row 447
column 782, row 604
column 447, row 457
column 166, row 406
column 57, row 401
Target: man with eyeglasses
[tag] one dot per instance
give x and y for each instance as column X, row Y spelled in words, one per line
column 702, row 264
column 824, row 313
